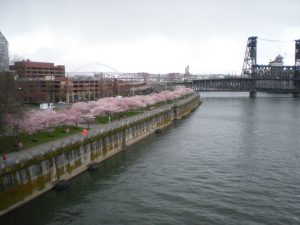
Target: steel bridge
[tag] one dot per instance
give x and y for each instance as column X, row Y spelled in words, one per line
column 257, row 78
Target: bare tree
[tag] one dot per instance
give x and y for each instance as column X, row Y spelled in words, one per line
column 9, row 97
column 15, row 58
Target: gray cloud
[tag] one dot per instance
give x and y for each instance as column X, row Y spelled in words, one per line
column 203, row 31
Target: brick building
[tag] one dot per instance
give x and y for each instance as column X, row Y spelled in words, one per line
column 90, row 88
column 44, row 82
column 38, row 70
column 37, row 91
column 40, row 81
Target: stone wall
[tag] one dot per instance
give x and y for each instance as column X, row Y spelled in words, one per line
column 25, row 179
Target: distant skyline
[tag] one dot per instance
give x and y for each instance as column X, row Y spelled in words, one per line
column 156, row 36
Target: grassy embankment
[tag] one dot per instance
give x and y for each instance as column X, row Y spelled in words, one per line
column 120, row 115
column 9, row 143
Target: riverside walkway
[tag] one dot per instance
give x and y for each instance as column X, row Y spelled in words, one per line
column 94, row 129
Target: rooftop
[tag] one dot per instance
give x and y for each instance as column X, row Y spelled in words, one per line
column 36, row 64
column 2, row 38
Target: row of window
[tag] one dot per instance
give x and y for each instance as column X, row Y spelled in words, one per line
column 42, row 68
column 39, row 72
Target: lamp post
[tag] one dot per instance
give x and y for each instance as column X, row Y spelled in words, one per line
column 88, row 117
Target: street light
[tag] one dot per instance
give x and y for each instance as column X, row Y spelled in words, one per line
column 88, row 117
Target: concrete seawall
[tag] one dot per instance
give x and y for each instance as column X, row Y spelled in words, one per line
column 26, row 178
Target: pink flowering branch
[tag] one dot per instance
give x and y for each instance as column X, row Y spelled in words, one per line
column 36, row 120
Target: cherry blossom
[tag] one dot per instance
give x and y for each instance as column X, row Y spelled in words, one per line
column 36, row 120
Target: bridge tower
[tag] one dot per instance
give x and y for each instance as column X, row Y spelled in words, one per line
column 250, row 62
column 297, row 53
column 250, row 57
column 297, row 69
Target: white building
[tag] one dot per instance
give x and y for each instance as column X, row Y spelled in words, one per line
column 277, row 62
column 4, row 59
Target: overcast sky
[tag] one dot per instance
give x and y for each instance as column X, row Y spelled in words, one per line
column 156, row 36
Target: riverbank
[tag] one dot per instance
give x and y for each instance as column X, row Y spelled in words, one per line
column 28, row 174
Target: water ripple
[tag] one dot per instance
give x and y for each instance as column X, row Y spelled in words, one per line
column 232, row 161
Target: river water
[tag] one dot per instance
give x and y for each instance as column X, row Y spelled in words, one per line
column 235, row 160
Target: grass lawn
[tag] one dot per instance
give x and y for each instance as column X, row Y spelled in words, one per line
column 121, row 115
column 8, row 143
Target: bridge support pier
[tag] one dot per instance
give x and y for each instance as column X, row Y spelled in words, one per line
column 296, row 94
column 252, row 94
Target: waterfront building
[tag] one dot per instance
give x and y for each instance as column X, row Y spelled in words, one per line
column 39, row 82
column 29, row 70
column 4, row 59
column 38, row 91
column 88, row 88
column 278, row 61
column 82, row 88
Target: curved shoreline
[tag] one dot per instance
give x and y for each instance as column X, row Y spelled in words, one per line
column 29, row 175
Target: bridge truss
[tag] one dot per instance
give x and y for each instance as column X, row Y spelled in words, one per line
column 265, row 79
column 257, row 78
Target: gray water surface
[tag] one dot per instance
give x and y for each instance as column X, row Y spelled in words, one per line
column 234, row 160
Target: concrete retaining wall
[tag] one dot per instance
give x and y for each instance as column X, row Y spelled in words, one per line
column 25, row 179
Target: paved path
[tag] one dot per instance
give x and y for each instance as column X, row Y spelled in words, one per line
column 14, row 157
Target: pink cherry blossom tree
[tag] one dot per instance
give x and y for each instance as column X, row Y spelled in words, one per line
column 36, row 120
